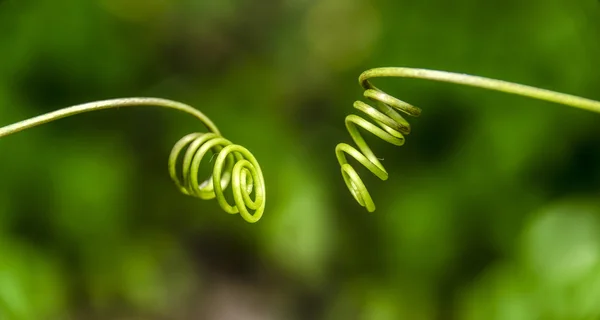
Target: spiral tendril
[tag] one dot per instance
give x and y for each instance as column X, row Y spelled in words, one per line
column 234, row 165
column 391, row 127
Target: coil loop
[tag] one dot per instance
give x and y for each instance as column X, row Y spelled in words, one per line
column 233, row 165
column 387, row 125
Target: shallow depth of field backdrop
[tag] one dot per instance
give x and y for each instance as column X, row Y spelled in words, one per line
column 491, row 210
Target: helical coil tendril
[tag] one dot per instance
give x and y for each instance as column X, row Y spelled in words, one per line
column 234, row 165
column 388, row 125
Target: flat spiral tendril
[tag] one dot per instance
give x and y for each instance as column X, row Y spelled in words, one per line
column 234, row 165
column 390, row 126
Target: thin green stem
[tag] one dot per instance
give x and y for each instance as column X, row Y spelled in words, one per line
column 107, row 104
column 482, row 82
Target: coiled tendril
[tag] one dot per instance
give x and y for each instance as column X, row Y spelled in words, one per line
column 390, row 126
column 233, row 165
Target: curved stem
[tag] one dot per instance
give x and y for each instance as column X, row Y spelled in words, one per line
column 481, row 82
column 107, row 104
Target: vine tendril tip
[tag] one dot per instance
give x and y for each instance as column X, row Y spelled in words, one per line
column 234, row 164
column 388, row 125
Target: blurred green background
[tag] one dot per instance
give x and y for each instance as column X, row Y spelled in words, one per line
column 491, row 210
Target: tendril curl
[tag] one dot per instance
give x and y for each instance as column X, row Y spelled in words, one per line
column 388, row 125
column 234, row 165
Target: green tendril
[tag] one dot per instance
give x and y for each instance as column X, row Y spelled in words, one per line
column 390, row 126
column 234, row 164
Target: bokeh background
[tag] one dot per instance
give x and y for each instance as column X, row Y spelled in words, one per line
column 491, row 210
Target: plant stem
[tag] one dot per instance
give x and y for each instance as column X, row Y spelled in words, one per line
column 107, row 104
column 481, row 82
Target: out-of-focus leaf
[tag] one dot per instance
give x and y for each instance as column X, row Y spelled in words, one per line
column 339, row 18
column 555, row 275
column 419, row 229
column 502, row 292
column 562, row 242
column 299, row 230
column 31, row 284
column 150, row 273
column 561, row 250
column 91, row 182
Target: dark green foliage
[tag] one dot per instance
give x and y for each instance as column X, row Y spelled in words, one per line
column 503, row 225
